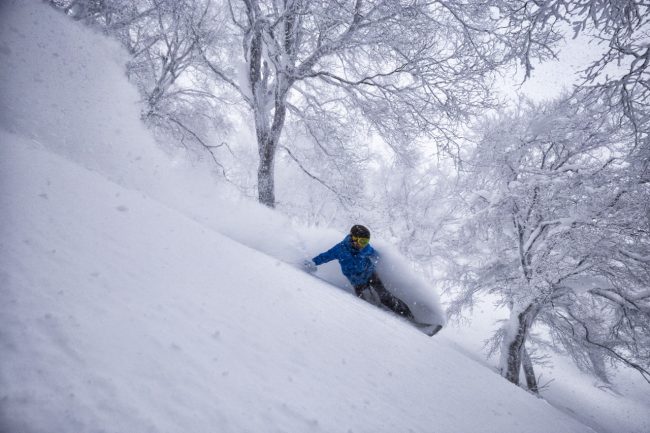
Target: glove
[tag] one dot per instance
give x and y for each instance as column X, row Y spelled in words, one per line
column 309, row 266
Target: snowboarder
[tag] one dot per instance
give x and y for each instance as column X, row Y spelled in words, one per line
column 358, row 261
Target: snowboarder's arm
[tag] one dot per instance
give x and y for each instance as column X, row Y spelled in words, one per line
column 328, row 255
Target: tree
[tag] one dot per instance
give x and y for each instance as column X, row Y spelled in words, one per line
column 166, row 66
column 620, row 79
column 556, row 232
column 161, row 36
column 163, row 46
column 413, row 207
column 109, row 14
column 406, row 69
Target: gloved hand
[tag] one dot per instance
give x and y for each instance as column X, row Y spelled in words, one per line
column 309, row 266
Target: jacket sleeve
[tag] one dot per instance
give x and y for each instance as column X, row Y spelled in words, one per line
column 328, row 256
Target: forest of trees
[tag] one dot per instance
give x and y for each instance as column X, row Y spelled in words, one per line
column 386, row 111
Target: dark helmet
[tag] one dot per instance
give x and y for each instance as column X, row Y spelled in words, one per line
column 360, row 231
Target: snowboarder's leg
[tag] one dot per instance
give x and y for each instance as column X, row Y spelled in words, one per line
column 388, row 300
column 358, row 290
column 364, row 292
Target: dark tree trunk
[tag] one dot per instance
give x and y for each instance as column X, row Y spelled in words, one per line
column 265, row 172
column 529, row 372
column 268, row 144
column 269, row 121
column 514, row 347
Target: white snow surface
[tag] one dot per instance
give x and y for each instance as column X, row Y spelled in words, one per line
column 121, row 314
column 136, row 297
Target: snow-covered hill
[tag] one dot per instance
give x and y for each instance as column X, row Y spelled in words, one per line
column 121, row 314
column 135, row 298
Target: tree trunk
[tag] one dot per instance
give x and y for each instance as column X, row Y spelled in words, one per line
column 269, row 118
column 268, row 144
column 529, row 372
column 598, row 365
column 265, row 172
column 513, row 343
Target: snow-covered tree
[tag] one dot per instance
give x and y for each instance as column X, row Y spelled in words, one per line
column 405, row 69
column 166, row 66
column 412, row 207
column 162, row 38
column 92, row 11
column 620, row 78
column 163, row 46
column 557, row 231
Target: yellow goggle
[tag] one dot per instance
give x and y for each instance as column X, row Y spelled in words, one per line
column 362, row 242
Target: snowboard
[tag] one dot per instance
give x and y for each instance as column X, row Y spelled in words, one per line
column 426, row 328
column 430, row 330
column 370, row 296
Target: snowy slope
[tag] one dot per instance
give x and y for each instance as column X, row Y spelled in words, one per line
column 121, row 314
column 125, row 308
column 624, row 406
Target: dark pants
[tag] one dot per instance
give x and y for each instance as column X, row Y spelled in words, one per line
column 385, row 297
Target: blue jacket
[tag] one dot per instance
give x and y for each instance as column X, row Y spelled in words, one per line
column 356, row 265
